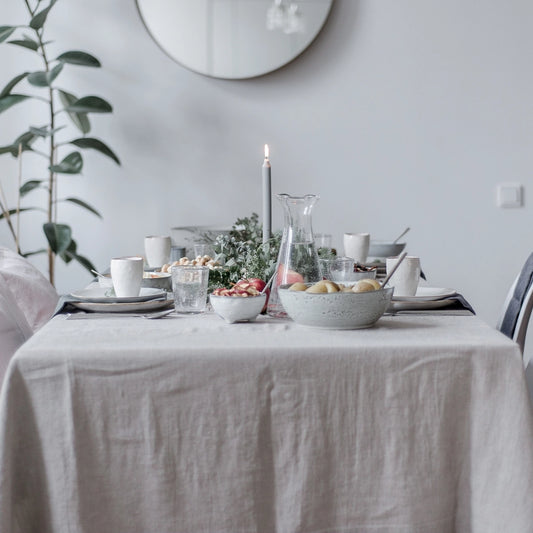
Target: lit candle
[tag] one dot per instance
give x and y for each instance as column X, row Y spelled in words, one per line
column 267, row 193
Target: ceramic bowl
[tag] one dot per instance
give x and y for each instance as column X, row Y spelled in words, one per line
column 237, row 308
column 157, row 280
column 337, row 310
column 385, row 249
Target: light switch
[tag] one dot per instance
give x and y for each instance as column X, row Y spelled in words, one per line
column 510, row 195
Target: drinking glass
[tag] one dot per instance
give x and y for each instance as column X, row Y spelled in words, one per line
column 189, row 284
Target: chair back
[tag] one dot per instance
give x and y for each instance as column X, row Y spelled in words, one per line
column 518, row 306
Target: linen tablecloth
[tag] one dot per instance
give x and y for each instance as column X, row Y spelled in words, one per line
column 190, row 425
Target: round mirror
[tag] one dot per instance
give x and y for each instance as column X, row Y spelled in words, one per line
column 234, row 39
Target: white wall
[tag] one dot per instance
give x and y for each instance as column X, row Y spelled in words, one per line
column 400, row 114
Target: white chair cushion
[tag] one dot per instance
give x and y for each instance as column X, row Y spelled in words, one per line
column 34, row 294
column 14, row 328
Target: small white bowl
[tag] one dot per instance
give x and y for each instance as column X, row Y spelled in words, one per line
column 336, row 310
column 237, row 308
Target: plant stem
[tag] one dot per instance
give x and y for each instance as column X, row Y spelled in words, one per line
column 51, row 155
column 17, row 240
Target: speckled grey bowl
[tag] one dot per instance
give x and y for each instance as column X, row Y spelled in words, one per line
column 337, row 310
column 385, row 249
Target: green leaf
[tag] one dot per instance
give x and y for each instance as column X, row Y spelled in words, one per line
column 26, row 140
column 10, row 100
column 35, row 252
column 5, row 32
column 14, row 211
column 29, row 186
column 76, row 57
column 90, row 104
column 95, row 144
column 80, row 120
column 7, row 89
column 25, row 43
column 59, row 236
column 71, row 253
column 72, row 164
column 83, row 204
column 43, row 78
column 39, row 19
column 44, row 131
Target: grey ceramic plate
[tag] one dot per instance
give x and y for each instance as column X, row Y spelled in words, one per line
column 136, row 307
column 107, row 295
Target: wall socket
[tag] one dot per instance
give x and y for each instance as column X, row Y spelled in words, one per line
column 510, row 195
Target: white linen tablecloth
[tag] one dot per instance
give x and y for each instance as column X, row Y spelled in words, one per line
column 190, row 425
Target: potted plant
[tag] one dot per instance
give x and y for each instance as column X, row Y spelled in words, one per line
column 52, row 141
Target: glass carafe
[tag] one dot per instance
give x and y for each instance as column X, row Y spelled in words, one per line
column 297, row 258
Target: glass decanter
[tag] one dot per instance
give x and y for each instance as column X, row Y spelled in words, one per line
column 297, row 258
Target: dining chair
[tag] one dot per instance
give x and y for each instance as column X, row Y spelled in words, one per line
column 518, row 306
column 33, row 293
column 14, row 328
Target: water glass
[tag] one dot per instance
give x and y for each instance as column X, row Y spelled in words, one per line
column 201, row 249
column 341, row 269
column 189, row 284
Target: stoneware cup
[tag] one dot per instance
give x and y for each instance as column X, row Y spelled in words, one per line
column 405, row 279
column 127, row 274
column 356, row 246
column 157, row 250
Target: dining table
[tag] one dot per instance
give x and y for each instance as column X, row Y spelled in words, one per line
column 187, row 424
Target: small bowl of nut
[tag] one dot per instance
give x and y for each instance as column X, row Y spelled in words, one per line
column 331, row 305
column 242, row 303
column 157, row 280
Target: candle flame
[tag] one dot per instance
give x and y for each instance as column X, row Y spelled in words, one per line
column 266, row 151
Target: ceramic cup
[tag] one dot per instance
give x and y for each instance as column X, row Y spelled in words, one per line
column 405, row 279
column 356, row 246
column 157, row 250
column 127, row 274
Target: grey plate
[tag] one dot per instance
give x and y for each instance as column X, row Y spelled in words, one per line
column 106, row 295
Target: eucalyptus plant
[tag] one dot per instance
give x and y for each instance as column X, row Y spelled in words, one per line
column 65, row 112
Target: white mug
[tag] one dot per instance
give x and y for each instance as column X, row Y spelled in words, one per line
column 405, row 279
column 157, row 250
column 127, row 275
column 356, row 246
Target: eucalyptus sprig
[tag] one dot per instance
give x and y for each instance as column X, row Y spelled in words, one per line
column 243, row 253
column 49, row 139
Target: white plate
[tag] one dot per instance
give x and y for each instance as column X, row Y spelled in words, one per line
column 106, row 295
column 110, row 307
column 421, row 305
column 427, row 294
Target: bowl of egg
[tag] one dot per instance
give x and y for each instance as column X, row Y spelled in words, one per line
column 331, row 305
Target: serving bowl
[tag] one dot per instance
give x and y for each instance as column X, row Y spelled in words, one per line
column 337, row 310
column 237, row 308
column 385, row 248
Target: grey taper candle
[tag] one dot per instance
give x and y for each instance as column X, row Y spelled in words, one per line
column 267, row 196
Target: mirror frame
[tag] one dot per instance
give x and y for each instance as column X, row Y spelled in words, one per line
column 235, row 78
